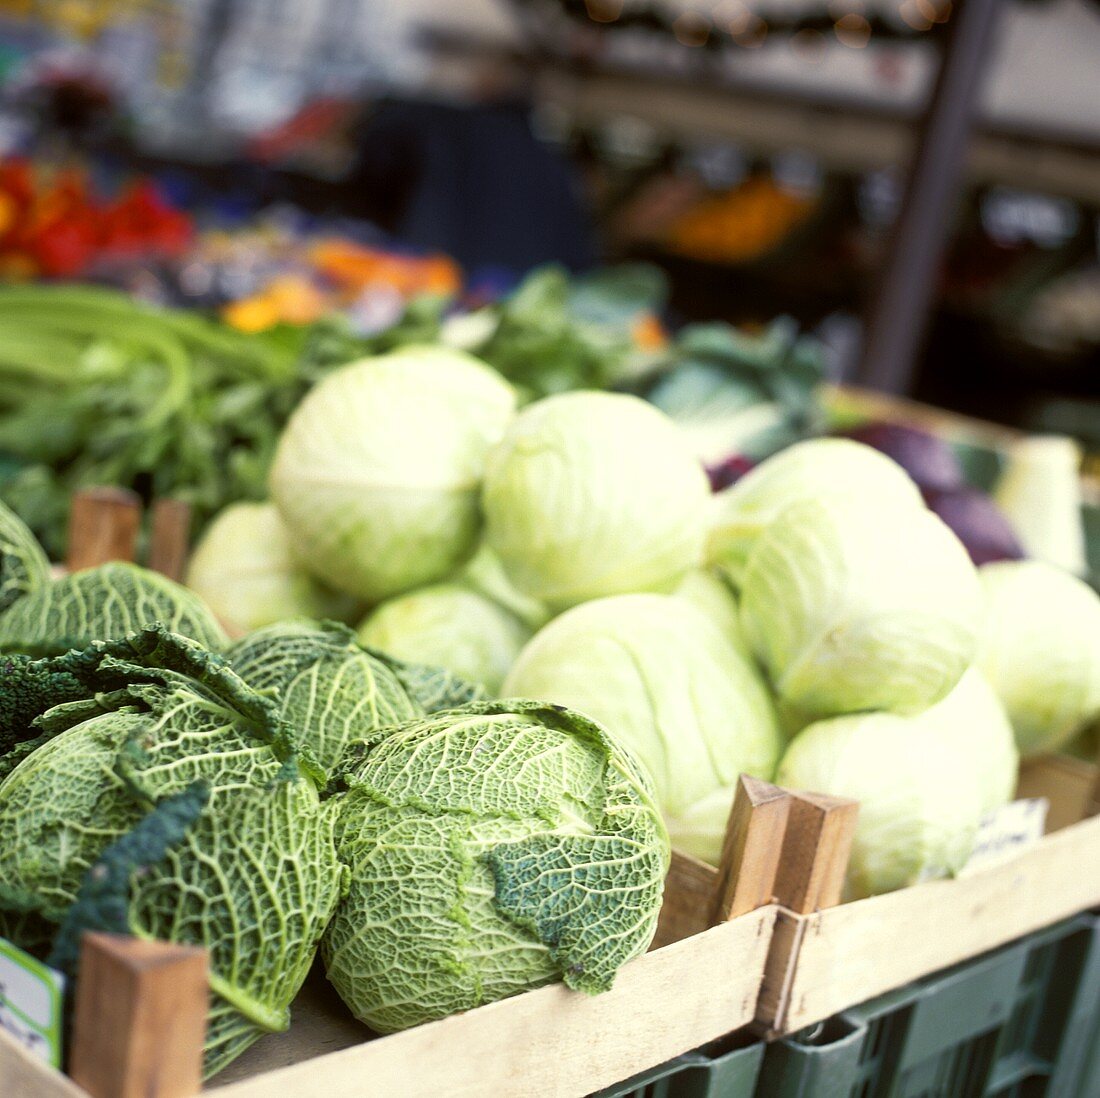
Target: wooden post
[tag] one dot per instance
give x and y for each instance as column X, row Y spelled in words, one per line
column 698, row 895
column 140, row 1018
column 169, row 538
column 103, row 526
column 815, row 854
column 752, row 848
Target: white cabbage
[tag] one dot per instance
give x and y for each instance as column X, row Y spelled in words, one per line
column 666, row 683
column 822, row 469
column 708, row 592
column 378, row 472
column 920, row 806
column 245, row 572
column 973, row 724
column 451, row 626
column 486, row 574
column 860, row 604
column 1041, row 651
column 594, row 494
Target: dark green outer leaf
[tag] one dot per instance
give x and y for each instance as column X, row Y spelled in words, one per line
column 254, row 879
column 104, row 898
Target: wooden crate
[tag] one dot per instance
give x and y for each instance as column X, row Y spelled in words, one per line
column 823, row 961
column 700, row 981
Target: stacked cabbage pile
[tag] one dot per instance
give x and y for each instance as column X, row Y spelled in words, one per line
column 297, row 790
column 814, row 623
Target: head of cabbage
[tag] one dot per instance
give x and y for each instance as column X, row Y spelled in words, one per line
column 860, row 604
column 707, row 590
column 922, row 787
column 594, row 494
column 91, row 742
column 448, row 625
column 1040, row 649
column 822, row 469
column 107, row 602
column 485, row 573
column 491, row 849
column 243, row 569
column 334, row 691
column 378, row 473
column 670, row 687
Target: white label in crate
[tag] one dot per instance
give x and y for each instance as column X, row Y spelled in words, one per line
column 1008, row 831
column 30, row 1002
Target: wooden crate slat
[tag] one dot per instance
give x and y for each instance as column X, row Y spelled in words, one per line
column 553, row 1041
column 689, row 899
column 23, row 1075
column 1068, row 784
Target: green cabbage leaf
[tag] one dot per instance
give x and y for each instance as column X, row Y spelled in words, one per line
column 104, row 603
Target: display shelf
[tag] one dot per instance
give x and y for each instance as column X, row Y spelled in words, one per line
column 846, row 133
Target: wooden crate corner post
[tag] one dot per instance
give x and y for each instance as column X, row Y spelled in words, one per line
column 698, row 895
column 103, row 526
column 140, row 1018
column 752, row 848
column 170, row 536
column 814, row 862
column 816, row 849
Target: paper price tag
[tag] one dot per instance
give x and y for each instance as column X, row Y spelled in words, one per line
column 1007, row 832
column 30, row 1002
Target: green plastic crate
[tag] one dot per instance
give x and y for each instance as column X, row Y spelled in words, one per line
column 1021, row 1022
column 728, row 1068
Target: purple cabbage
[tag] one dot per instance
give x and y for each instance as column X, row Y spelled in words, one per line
column 928, row 460
column 977, row 522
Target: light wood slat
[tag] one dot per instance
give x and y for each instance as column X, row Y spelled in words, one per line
column 25, row 1076
column 553, row 1041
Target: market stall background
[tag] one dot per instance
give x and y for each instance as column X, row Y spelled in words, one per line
column 757, row 156
column 659, row 228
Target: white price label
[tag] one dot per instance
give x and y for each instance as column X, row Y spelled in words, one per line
column 1007, row 832
column 30, row 1002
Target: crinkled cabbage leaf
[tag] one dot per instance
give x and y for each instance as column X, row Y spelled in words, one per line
column 491, row 849
column 104, row 603
column 334, row 690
